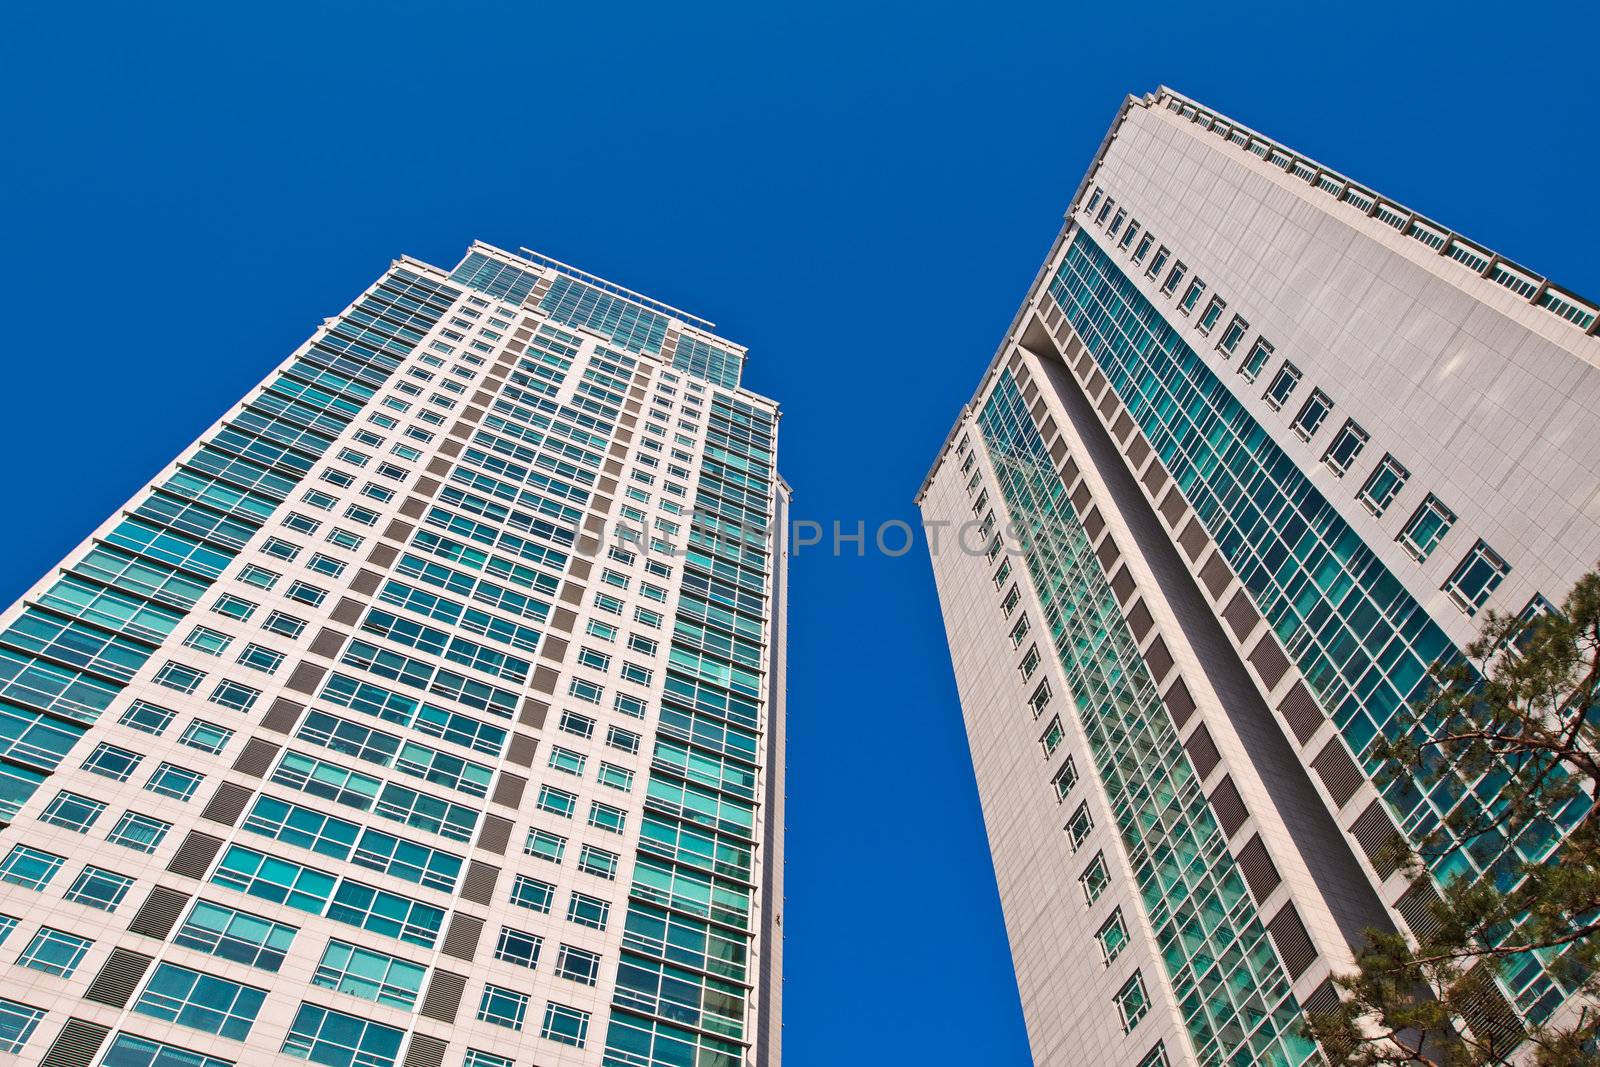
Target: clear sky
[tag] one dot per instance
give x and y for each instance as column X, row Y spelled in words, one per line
column 859, row 192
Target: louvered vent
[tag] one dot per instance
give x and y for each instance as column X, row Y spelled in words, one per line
column 1300, row 711
column 227, row 803
column 281, row 717
column 1180, row 703
column 75, row 1045
column 478, row 883
column 461, row 938
column 194, row 856
column 425, row 1051
column 1294, row 944
column 495, row 835
column 118, row 978
column 1203, row 752
column 159, row 912
column 508, row 789
column 1375, row 833
column 1418, row 907
column 1269, row 661
column 443, row 999
column 255, row 759
column 1240, row 614
column 1337, row 771
column 1228, row 806
column 1260, row 873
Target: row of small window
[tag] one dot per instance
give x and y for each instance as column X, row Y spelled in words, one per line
column 595, row 659
column 593, row 693
column 509, row 1008
column 573, row 763
column 185, row 679
column 266, row 580
column 1477, row 575
column 539, row 896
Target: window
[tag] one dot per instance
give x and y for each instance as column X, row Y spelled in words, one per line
column 259, row 577
column 1426, row 528
column 115, row 763
column 369, row 974
column 170, row 780
column 607, row 818
column 1256, row 362
column 1282, row 387
column 1312, row 414
column 234, row 607
column 1133, row 1002
column 240, row 936
column 1128, row 235
column 603, row 630
column 578, row 965
column 127, row 1050
column 585, row 690
column 1347, row 445
column 97, row 888
column 1009, row 604
column 147, row 717
column 72, row 811
column 335, row 1039
column 1191, row 296
column 588, row 911
column 1079, row 826
column 1113, row 936
column 1228, row 343
column 503, row 1007
column 1095, row 878
column 206, row 736
column 202, row 1001
column 327, row 565
column 598, row 862
column 1156, row 1057
column 284, row 625
column 557, row 801
column 1157, row 262
column 616, row 777
column 1383, row 485
column 566, row 760
column 479, row 1058
column 531, row 893
column 29, row 867
column 577, row 725
column 593, row 657
column 184, row 679
column 518, row 947
column 278, row 548
column 54, row 952
column 569, row 1026
column 1476, row 577
column 1051, row 739
column 1065, row 779
column 138, row 832
column 231, row 694
column 17, row 1024
column 1019, row 630
column 1116, row 222
column 1175, row 276
column 545, row 845
column 306, row 593
column 1144, row 248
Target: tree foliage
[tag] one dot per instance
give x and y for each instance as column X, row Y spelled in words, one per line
column 1512, row 733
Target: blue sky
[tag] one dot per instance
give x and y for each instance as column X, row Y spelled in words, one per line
column 859, row 192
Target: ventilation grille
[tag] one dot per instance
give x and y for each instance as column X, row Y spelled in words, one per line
column 443, row 999
column 508, row 789
column 256, row 757
column 159, row 912
column 281, row 717
column 1122, row 585
column 1269, row 661
column 425, row 1051
column 1157, row 658
column 1216, row 576
column 1418, row 906
column 1172, row 507
column 1203, row 752
column 1240, row 614
column 227, row 803
column 75, row 1045
column 1139, row 620
column 1180, row 703
column 1486, row 1010
column 461, row 939
column 1338, row 772
column 1300, row 711
column 1228, row 806
column 478, row 884
column 118, row 978
column 522, row 749
column 1155, row 478
column 1294, row 944
column 495, row 835
column 1260, row 873
column 1375, row 833
column 1193, row 539
column 194, row 856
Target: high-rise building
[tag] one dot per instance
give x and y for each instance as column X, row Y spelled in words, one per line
column 1260, row 446
column 427, row 711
